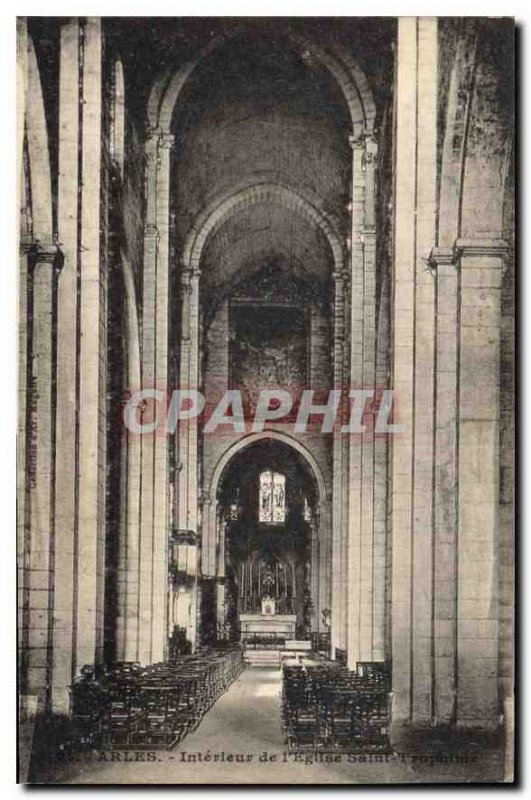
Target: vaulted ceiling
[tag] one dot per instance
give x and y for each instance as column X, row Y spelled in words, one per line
column 265, row 232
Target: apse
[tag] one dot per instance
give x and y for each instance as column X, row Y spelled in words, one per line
column 268, row 507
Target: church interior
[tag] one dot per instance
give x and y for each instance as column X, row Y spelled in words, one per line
column 248, row 204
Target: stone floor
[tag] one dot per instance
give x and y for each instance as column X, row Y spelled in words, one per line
column 240, row 742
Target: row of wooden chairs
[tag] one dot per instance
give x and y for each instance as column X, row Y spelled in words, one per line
column 329, row 708
column 130, row 706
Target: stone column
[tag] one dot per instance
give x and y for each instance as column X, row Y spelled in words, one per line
column 147, row 441
column 187, row 511
column 444, row 261
column 66, row 467
column 325, row 546
column 314, row 572
column 23, row 397
column 413, row 371
column 128, row 575
column 181, row 445
column 160, row 478
column 44, row 262
column 193, row 489
column 187, row 495
column 481, row 263
column 368, row 236
column 23, row 387
column 91, row 526
column 381, row 459
column 403, row 366
column 424, row 400
column 221, row 527
column 338, row 600
column 359, row 554
column 352, row 552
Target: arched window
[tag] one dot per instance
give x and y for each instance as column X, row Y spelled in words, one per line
column 272, row 497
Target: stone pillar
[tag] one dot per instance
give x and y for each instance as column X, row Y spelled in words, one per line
column 91, row 525
column 221, row 526
column 23, row 397
column 66, row 466
column 338, row 599
column 121, row 561
column 187, row 510
column 325, row 549
column 359, row 554
column 423, row 398
column 160, row 477
column 444, row 262
column 368, row 236
column 352, row 553
column 481, row 263
column 187, row 495
column 147, row 443
column 181, row 445
column 131, row 578
column 403, row 366
column 314, row 573
column 193, row 489
column 153, row 601
column 23, row 386
column 44, row 262
column 381, row 458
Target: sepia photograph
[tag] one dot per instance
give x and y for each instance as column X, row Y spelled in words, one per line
column 266, row 400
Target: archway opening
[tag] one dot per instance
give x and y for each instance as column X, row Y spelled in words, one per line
column 267, row 504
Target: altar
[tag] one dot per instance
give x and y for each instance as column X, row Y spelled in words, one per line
column 280, row 626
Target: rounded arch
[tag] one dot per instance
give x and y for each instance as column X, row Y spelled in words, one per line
column 339, row 63
column 251, row 439
column 222, row 209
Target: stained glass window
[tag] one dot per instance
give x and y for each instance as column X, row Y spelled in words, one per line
column 272, row 506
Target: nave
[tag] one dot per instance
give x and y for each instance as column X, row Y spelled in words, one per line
column 283, row 208
column 244, row 725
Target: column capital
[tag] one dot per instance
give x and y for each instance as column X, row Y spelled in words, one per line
column 362, row 139
column 166, row 140
column 339, row 275
column 371, row 149
column 189, row 274
column 469, row 248
column 357, row 140
column 151, row 232
column 152, row 135
column 151, row 143
column 39, row 253
column 442, row 256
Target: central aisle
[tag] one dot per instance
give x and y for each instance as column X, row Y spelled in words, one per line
column 240, row 741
